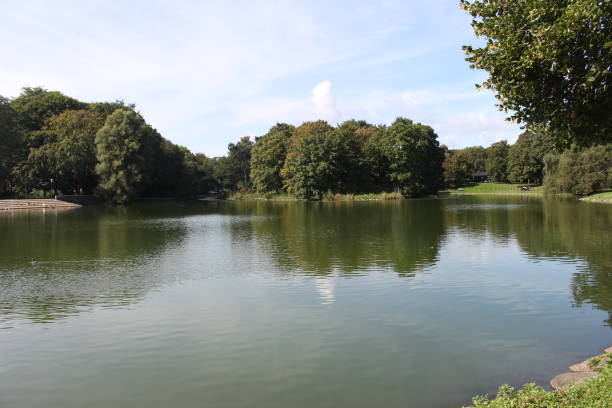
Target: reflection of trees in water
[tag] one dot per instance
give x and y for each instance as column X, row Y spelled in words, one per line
column 56, row 264
column 348, row 237
column 113, row 256
column 549, row 228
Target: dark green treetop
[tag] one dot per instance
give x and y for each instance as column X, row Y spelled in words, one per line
column 549, row 63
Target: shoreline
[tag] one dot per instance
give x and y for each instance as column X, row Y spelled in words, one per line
column 35, row 204
column 565, row 388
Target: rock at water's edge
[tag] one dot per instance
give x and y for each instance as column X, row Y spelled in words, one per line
column 608, row 350
column 581, row 367
column 565, row 379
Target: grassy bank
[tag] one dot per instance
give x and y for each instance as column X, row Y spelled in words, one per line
column 326, row 197
column 605, row 197
column 498, row 188
column 592, row 393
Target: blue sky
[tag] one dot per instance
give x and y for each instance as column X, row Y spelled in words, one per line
column 205, row 73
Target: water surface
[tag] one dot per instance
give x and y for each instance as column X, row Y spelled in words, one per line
column 274, row 304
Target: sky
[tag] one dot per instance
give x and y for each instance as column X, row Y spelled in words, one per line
column 205, row 73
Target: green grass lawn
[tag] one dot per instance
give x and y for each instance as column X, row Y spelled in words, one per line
column 497, row 188
column 607, row 196
column 593, row 393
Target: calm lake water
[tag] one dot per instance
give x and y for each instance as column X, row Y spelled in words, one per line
column 419, row 303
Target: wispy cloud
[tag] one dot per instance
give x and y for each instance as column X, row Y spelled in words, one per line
column 204, row 73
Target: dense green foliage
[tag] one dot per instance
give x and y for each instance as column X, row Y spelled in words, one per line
column 549, row 62
column 68, row 154
column 48, row 143
column 356, row 157
column 461, row 166
column 268, row 158
column 593, row 393
column 415, row 157
column 311, row 165
column 526, row 157
column 579, row 171
column 120, row 147
column 12, row 145
column 497, row 161
column 35, row 105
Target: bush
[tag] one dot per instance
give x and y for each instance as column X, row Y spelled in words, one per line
column 593, row 393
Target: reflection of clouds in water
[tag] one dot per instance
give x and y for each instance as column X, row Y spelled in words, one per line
column 326, row 286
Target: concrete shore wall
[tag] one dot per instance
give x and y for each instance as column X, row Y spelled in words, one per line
column 32, row 204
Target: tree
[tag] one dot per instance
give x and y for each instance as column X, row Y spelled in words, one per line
column 12, row 148
column 239, row 163
column 579, row 171
column 121, row 155
column 497, row 161
column 35, row 105
column 351, row 138
column 477, row 159
column 310, row 168
column 375, row 160
column 268, row 157
column 105, row 109
column 415, row 157
column 457, row 169
column 550, row 62
column 526, row 157
column 69, row 156
column 206, row 174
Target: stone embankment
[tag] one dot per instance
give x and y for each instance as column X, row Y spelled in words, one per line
column 33, row 204
column 581, row 371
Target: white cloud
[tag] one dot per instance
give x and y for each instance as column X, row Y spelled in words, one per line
column 325, row 103
column 476, row 128
column 203, row 73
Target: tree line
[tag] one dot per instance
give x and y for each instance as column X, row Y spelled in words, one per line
column 52, row 143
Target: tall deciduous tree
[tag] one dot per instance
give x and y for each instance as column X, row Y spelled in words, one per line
column 415, row 157
column 239, row 162
column 526, row 157
column 550, row 63
column 119, row 151
column 12, row 147
column 69, row 157
column 268, row 157
column 311, row 165
column 497, row 161
column 457, row 169
column 351, row 138
column 35, row 105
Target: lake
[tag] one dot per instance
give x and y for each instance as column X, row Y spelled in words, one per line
column 414, row 303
